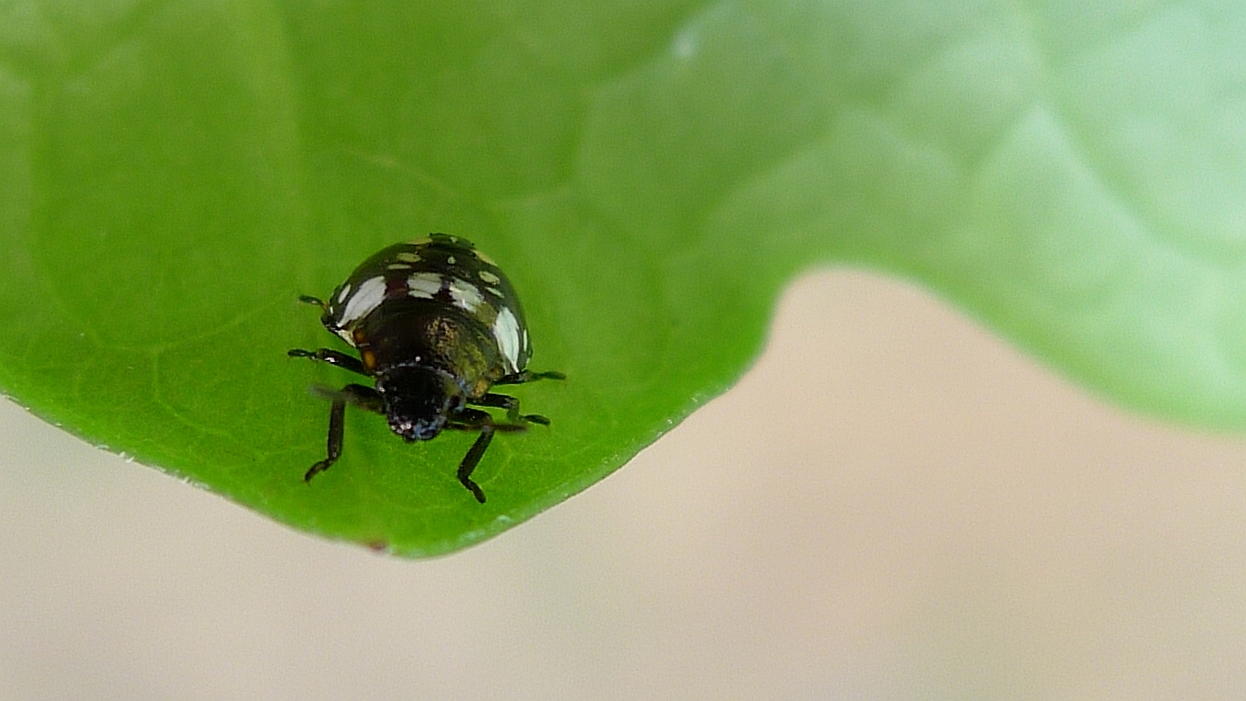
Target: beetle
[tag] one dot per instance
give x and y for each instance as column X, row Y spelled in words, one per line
column 437, row 325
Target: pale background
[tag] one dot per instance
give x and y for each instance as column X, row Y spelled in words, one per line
column 892, row 504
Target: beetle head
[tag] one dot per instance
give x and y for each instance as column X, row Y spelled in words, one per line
column 419, row 401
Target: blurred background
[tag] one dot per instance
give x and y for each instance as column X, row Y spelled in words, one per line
column 891, row 504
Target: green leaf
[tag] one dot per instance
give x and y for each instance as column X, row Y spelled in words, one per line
column 650, row 174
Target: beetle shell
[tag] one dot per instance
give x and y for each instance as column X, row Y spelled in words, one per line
column 435, row 302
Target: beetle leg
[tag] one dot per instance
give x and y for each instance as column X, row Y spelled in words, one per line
column 476, row 420
column 471, row 460
column 360, row 396
column 332, row 357
column 528, row 376
column 334, row 445
column 501, row 401
column 511, row 405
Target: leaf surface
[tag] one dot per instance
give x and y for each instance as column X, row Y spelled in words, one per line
column 650, row 174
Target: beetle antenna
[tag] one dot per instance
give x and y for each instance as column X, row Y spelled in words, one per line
column 308, row 299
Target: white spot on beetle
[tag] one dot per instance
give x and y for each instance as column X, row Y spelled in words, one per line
column 450, row 260
column 397, row 266
column 489, row 277
column 465, row 295
column 408, row 257
column 368, row 297
column 506, row 333
column 494, row 291
column 341, row 296
column 424, row 285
